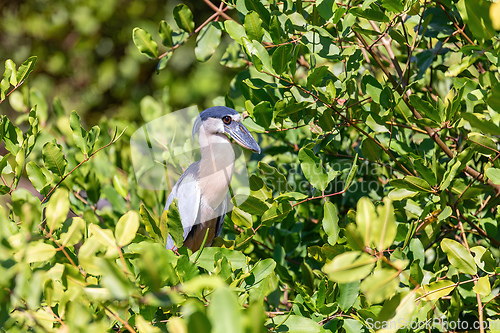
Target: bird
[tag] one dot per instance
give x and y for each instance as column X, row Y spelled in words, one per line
column 202, row 190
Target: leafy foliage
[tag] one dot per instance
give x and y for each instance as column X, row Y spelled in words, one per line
column 374, row 201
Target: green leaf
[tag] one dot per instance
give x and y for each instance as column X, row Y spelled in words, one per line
column 165, row 31
column 54, row 159
column 365, row 216
column 151, row 224
column 281, row 57
column 236, row 31
column 35, row 175
column 477, row 20
column 349, row 267
column 241, row 218
column 478, row 121
column 253, row 26
column 494, row 98
column 277, row 179
column 39, row 251
column 258, row 55
column 207, row 42
column 262, row 270
column 331, row 222
column 351, row 174
column 483, row 286
column 251, row 204
column 206, row 260
column 145, row 43
column 79, row 134
column 174, row 223
column 25, row 69
column 380, row 285
column 57, row 209
column 184, row 18
column 11, row 65
column 369, row 14
column 413, row 183
column 395, row 6
column 126, row 228
column 293, row 324
column 74, row 232
column 436, row 290
column 275, row 30
column 276, row 213
column 259, row 8
column 481, row 143
column 384, row 226
column 348, row 293
column 484, row 259
column 92, row 137
column 5, row 83
column 370, row 149
column 458, row 256
column 225, row 302
column 263, row 114
column 425, row 108
column 313, row 169
column 326, row 9
column 494, row 175
column 105, row 236
column 399, row 309
column 450, row 174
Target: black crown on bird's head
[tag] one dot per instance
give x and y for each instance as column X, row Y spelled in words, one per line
column 213, row 112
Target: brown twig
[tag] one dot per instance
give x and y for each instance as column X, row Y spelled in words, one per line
column 117, row 317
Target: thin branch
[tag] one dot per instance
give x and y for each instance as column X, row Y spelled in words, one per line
column 113, row 140
column 431, row 132
column 117, row 317
column 346, row 119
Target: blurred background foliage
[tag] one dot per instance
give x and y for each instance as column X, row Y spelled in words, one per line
column 86, row 56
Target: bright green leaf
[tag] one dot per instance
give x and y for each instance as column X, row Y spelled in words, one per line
column 126, row 228
column 458, row 256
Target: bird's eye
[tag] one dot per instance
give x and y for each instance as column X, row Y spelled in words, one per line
column 226, row 120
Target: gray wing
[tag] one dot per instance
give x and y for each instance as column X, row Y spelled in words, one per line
column 188, row 195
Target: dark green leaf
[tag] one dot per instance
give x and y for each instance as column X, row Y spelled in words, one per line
column 174, row 223
column 348, row 293
column 263, row 114
column 281, row 58
column 277, row 179
column 251, row 205
column 165, row 31
column 184, row 18
column 54, row 159
column 369, row 14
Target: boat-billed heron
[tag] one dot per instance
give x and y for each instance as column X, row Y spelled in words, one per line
column 202, row 190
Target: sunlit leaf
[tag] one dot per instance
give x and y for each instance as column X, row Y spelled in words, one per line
column 349, row 266
column 458, row 256
column 145, row 43
column 126, row 228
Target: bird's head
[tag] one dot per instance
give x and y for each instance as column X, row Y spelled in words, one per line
column 224, row 120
